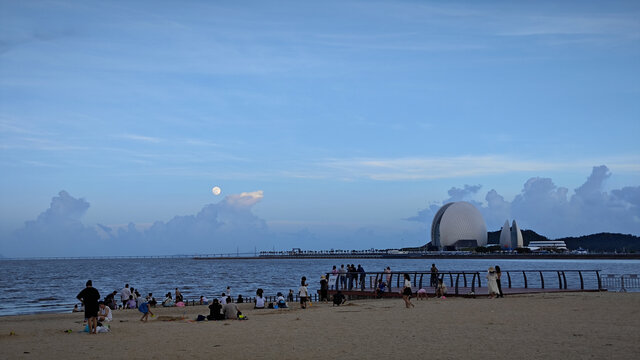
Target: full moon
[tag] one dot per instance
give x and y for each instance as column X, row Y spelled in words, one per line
column 216, row 190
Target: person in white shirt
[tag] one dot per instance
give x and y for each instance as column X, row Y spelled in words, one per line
column 104, row 313
column 124, row 295
column 223, row 299
column 303, row 292
column 260, row 300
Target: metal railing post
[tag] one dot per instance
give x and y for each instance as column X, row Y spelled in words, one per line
column 509, row 279
column 526, row 285
column 541, row 279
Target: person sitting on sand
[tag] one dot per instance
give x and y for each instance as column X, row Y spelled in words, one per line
column 282, row 304
column 179, row 297
column 144, row 309
column 223, row 299
column 168, row 301
column 260, row 300
column 240, row 299
column 422, row 294
column 131, row 304
column 441, row 290
column 77, row 309
column 110, row 300
column 203, row 300
column 215, row 311
column 151, row 300
column 230, row 310
column 104, row 312
column 339, row 298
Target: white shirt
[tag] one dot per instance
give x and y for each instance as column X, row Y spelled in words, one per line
column 302, row 290
column 106, row 312
column 260, row 302
column 125, row 293
column 223, row 300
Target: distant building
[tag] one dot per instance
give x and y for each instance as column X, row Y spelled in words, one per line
column 511, row 237
column 457, row 225
column 552, row 245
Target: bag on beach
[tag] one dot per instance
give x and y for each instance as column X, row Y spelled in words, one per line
column 201, row 318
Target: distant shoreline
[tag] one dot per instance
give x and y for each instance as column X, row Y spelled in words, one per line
column 437, row 256
column 634, row 256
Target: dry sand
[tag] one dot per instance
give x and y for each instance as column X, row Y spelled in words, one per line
column 539, row 326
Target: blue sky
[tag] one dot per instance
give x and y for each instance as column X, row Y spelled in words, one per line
column 333, row 124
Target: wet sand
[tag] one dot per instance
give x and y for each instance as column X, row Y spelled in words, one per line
column 537, row 326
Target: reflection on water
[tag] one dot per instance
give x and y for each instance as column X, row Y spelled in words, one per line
column 30, row 286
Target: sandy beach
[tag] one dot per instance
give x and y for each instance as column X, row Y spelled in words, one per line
column 569, row 325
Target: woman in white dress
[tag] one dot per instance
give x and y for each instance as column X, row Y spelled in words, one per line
column 492, row 282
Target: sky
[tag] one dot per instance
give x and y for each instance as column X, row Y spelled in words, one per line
column 334, row 124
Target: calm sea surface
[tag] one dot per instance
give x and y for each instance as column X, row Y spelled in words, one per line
column 33, row 286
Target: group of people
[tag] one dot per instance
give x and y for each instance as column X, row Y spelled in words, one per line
column 493, row 282
column 347, row 277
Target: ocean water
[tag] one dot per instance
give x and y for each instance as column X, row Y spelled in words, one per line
column 34, row 286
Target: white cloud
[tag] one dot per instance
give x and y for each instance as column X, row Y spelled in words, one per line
column 552, row 211
column 426, row 168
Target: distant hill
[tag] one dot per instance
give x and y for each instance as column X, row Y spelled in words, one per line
column 604, row 242
column 601, row 242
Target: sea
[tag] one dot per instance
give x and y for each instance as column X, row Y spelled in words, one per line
column 39, row 286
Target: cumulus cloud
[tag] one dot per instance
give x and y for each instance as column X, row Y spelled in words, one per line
column 216, row 228
column 58, row 227
column 552, row 211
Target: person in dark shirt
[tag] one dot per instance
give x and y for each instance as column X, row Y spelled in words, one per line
column 339, row 298
column 215, row 311
column 89, row 297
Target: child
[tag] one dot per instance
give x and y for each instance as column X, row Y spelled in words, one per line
column 303, row 293
column 441, row 291
column 144, row 309
column 422, row 294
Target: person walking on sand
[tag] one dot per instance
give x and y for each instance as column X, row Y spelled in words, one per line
column 89, row 297
column 303, row 293
column 492, row 285
column 406, row 291
column 144, row 309
column 498, row 276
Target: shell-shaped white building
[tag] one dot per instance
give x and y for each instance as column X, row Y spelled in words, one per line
column 505, row 235
column 516, row 236
column 511, row 237
column 458, row 221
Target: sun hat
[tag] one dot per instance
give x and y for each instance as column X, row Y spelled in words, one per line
column 492, row 269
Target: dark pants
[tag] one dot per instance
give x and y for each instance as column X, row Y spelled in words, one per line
column 499, row 288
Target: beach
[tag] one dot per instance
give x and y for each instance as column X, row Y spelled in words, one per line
column 537, row 326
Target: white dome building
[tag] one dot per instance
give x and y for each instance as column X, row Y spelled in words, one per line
column 458, row 224
column 505, row 236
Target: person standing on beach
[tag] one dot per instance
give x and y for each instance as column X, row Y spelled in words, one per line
column 498, row 276
column 434, row 276
column 89, row 297
column 124, row 295
column 324, row 289
column 342, row 273
column 303, row 293
column 406, row 291
column 492, row 285
column 387, row 271
column 363, row 275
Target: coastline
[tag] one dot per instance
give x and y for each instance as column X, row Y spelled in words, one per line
column 571, row 325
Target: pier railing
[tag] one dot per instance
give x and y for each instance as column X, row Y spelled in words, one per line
column 470, row 280
column 621, row 282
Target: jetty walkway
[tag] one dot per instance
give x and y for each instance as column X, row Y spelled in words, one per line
column 466, row 283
